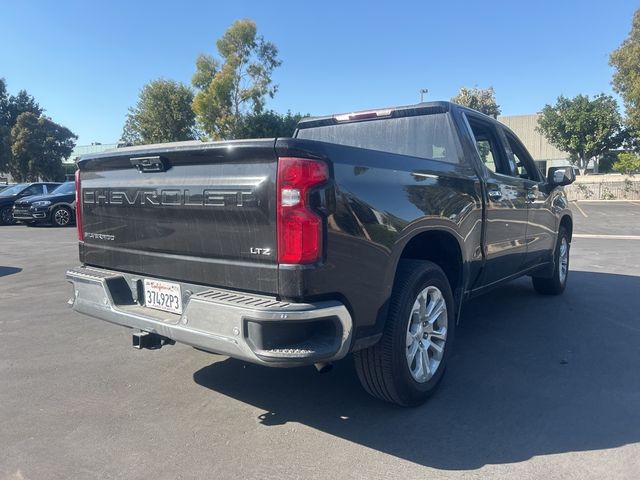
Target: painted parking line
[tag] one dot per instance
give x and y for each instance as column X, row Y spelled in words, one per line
column 581, row 211
column 604, row 202
column 610, row 237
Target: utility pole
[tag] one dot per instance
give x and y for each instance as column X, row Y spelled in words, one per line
column 423, row 92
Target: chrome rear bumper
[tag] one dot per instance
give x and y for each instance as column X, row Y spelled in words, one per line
column 256, row 328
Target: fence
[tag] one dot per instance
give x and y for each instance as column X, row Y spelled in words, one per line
column 627, row 189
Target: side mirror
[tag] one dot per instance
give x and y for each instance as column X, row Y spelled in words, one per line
column 558, row 176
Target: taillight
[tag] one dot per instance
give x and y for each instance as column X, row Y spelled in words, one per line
column 78, row 206
column 299, row 228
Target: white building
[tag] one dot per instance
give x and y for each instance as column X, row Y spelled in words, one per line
column 545, row 154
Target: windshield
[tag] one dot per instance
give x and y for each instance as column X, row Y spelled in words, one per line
column 67, row 187
column 16, row 189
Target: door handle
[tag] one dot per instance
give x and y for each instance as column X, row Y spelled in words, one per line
column 495, row 194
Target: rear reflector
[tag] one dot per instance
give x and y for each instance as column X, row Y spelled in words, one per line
column 299, row 228
column 78, row 207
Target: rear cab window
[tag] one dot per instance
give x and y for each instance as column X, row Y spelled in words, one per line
column 430, row 136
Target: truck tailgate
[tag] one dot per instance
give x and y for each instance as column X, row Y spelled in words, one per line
column 202, row 212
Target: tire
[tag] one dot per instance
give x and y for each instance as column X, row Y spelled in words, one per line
column 556, row 284
column 61, row 217
column 6, row 216
column 384, row 369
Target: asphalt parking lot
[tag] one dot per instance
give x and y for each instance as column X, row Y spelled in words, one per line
column 538, row 387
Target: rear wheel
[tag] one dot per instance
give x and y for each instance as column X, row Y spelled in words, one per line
column 556, row 284
column 61, row 216
column 407, row 364
column 6, row 216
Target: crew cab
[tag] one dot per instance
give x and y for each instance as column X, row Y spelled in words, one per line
column 56, row 207
column 364, row 232
column 21, row 190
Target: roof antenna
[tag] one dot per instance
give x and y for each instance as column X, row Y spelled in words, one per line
column 423, row 92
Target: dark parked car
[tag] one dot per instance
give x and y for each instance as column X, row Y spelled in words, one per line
column 364, row 233
column 57, row 208
column 9, row 195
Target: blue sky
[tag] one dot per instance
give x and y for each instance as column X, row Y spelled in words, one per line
column 85, row 62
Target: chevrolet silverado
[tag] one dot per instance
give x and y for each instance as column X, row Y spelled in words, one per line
column 364, row 232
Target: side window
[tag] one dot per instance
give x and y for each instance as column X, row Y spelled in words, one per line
column 33, row 190
column 489, row 148
column 484, row 148
column 522, row 163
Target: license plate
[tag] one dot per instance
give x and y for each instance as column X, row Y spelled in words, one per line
column 163, row 296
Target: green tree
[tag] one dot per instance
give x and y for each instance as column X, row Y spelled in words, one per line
column 269, row 124
column 5, row 130
column 38, row 146
column 237, row 86
column 163, row 113
column 482, row 100
column 626, row 79
column 4, row 102
column 11, row 106
column 628, row 163
column 582, row 127
column 22, row 103
column 606, row 161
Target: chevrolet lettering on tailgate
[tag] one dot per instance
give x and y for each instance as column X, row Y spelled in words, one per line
column 210, row 197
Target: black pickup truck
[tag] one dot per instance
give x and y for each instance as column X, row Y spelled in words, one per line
column 363, row 233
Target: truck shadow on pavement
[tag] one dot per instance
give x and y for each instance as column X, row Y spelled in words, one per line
column 530, row 376
column 5, row 271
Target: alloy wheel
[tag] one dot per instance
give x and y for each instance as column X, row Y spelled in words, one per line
column 426, row 334
column 564, row 259
column 61, row 217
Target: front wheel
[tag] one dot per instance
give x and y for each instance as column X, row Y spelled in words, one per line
column 556, row 284
column 405, row 367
